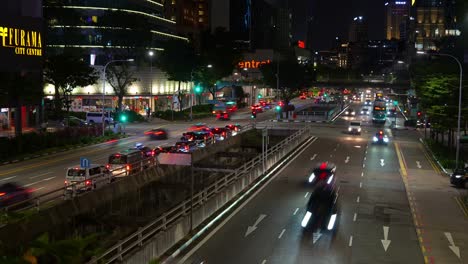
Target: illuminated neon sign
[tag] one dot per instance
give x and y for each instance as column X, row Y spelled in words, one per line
column 252, row 64
column 23, row 42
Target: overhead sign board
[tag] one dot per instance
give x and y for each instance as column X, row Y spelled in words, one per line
column 183, row 159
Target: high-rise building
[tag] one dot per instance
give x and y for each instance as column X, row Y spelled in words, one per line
column 191, row 16
column 396, row 19
column 430, row 23
column 99, row 28
column 358, row 30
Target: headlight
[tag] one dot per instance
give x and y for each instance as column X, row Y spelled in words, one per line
column 346, row 112
column 349, row 129
column 330, row 179
column 362, row 112
column 311, row 177
column 385, row 139
column 359, row 129
column 458, row 176
column 306, row 219
column 331, row 224
column 353, row 113
column 374, row 139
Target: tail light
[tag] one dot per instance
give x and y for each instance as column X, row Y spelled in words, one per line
column 2, row 194
column 128, row 167
column 66, row 182
column 186, row 148
column 214, row 112
column 225, row 115
column 88, row 183
column 224, row 134
column 152, row 153
column 107, row 166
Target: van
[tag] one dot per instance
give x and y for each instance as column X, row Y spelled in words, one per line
column 96, row 118
column 126, row 162
column 87, row 179
column 354, row 127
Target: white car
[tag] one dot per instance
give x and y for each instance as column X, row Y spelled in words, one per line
column 354, row 127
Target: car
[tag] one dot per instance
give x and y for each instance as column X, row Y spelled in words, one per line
column 73, row 121
column 368, row 102
column 185, row 146
column 459, row 178
column 265, row 105
column 322, row 210
column 323, row 172
column 157, row 133
column 197, row 136
column 126, row 162
column 364, row 111
column 392, row 112
column 235, row 128
column 199, row 127
column 350, row 112
column 221, row 133
column 354, row 127
column 223, row 116
column 166, row 149
column 87, row 179
column 12, row 193
column 380, row 138
column 421, row 123
column 257, row 108
column 96, row 118
column 147, row 151
column 302, row 97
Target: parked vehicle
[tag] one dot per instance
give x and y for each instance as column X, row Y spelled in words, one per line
column 96, row 118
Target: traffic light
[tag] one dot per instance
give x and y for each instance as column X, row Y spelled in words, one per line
column 259, row 96
column 123, row 118
column 419, row 113
column 254, row 114
column 198, row 89
column 278, row 108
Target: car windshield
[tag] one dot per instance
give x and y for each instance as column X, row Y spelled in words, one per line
column 355, row 124
column 118, row 159
column 77, row 172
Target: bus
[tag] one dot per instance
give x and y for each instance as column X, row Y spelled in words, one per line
column 379, row 112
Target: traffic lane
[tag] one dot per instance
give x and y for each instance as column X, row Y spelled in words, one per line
column 278, row 201
column 384, row 227
column 440, row 218
column 415, row 157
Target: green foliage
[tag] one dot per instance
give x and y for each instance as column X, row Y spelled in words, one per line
column 66, row 72
column 199, row 111
column 120, row 77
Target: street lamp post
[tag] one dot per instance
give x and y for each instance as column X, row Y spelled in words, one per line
column 151, row 53
column 104, row 91
column 191, row 95
column 457, row 154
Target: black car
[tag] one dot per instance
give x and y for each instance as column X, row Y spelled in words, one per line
column 235, row 128
column 322, row 210
column 221, row 133
column 12, row 193
column 459, row 178
column 197, row 136
column 323, row 172
column 158, row 133
column 380, row 138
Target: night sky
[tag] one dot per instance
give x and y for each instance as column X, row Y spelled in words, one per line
column 331, row 18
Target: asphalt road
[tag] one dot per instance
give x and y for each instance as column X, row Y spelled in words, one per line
column 375, row 223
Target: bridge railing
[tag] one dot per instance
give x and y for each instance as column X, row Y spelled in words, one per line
column 78, row 188
column 144, row 234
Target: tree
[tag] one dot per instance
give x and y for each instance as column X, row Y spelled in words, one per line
column 120, row 77
column 292, row 77
column 178, row 61
column 66, row 72
column 218, row 51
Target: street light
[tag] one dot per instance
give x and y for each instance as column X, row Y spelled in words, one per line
column 457, row 154
column 104, row 90
column 151, row 53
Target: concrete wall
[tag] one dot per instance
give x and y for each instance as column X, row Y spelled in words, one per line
column 176, row 232
column 58, row 219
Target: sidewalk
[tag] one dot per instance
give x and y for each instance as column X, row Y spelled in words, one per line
column 439, row 218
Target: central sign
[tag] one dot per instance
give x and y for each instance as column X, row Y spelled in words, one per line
column 252, row 64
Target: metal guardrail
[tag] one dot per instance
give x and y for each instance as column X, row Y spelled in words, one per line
column 116, row 252
column 75, row 189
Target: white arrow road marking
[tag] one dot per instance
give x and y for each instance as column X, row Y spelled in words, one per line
column 455, row 249
column 418, row 164
column 357, row 146
column 350, row 241
column 316, row 236
column 355, row 217
column 313, row 157
column 358, row 199
column 385, row 241
column 382, row 162
column 347, row 159
column 250, row 229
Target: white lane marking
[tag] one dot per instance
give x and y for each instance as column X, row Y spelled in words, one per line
column 357, row 146
column 334, row 149
column 331, row 155
column 8, row 178
column 358, row 199
column 39, row 175
column 365, row 152
column 264, row 261
column 313, row 157
column 350, row 241
column 360, row 185
column 347, row 159
column 305, row 196
column 418, row 164
column 362, row 174
column 355, row 216
column 363, row 165
column 40, row 188
column 32, row 183
column 365, row 158
column 281, row 234
column 455, row 249
column 276, row 171
column 295, row 211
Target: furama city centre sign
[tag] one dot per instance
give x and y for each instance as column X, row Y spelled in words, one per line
column 252, row 64
column 21, row 41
